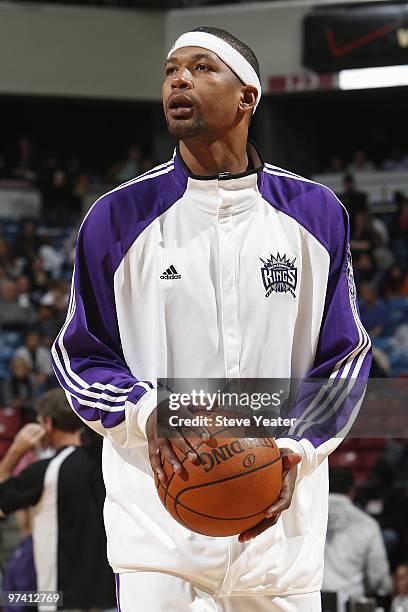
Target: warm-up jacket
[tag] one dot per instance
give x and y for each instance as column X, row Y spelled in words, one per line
column 245, row 276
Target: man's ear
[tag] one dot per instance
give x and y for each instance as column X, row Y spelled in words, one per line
column 48, row 424
column 249, row 96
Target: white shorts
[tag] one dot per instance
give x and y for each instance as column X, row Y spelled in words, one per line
column 160, row 592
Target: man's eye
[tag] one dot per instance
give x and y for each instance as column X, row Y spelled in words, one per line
column 201, row 67
column 170, row 70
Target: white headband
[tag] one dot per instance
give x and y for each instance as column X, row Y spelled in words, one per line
column 225, row 52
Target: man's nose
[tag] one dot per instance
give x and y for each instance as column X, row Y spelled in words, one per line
column 182, row 80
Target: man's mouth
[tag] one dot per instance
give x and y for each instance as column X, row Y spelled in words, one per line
column 180, row 106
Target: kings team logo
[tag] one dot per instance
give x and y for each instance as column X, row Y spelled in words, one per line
column 279, row 274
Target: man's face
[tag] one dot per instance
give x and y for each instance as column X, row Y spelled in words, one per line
column 200, row 94
column 33, row 341
column 46, row 423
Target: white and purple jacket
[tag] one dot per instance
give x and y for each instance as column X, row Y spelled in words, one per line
column 172, row 280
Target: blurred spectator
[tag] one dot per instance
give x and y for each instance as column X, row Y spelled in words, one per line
column 360, row 163
column 130, row 167
column 27, row 242
column 67, row 494
column 8, row 260
column 354, row 201
column 19, row 573
column 18, row 388
column 381, row 496
column 23, row 287
column 57, row 296
column 3, row 272
column 50, row 321
column 373, row 310
column 380, row 365
column 25, row 165
column 402, row 202
column 336, row 165
column 384, row 257
column 376, row 488
column 52, row 259
column 355, row 561
column 398, row 160
column 393, row 520
column 59, row 202
column 13, row 316
column 381, row 230
column 362, row 235
column 399, row 229
column 394, row 282
column 400, row 601
column 147, row 164
column 37, row 357
column 82, row 187
column 38, row 278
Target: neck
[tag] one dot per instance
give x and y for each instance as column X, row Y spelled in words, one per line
column 65, row 438
column 209, row 158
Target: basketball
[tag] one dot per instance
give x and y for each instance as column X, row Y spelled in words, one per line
column 225, row 493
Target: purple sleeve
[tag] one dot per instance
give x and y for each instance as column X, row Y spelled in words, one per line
column 332, row 391
column 87, row 354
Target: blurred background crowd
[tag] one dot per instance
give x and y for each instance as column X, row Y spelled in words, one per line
column 36, row 258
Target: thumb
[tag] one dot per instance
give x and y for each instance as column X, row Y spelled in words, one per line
column 290, row 460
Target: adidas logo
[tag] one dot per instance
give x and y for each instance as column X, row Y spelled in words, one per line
column 170, row 274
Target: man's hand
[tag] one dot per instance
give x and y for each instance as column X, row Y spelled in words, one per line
column 162, row 448
column 272, row 514
column 27, row 438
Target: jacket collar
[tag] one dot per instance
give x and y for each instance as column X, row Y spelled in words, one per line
column 182, row 175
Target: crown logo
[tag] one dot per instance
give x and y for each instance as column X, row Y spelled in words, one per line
column 279, row 274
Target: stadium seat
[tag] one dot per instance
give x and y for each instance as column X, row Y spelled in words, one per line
column 343, row 459
column 360, row 461
column 373, row 444
column 10, row 423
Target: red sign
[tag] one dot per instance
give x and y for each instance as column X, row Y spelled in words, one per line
column 306, row 81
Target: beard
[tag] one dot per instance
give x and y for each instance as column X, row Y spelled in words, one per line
column 184, row 129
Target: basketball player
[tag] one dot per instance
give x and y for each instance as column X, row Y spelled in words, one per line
column 173, row 278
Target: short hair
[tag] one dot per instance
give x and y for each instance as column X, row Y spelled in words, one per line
column 237, row 44
column 341, row 480
column 54, row 404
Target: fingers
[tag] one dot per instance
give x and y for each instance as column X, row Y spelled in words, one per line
column 282, row 504
column 184, row 445
column 272, row 514
column 156, row 463
column 31, row 428
column 290, row 460
column 286, row 494
column 28, row 438
column 163, row 450
column 31, row 433
column 245, row 536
